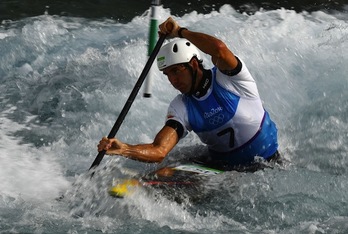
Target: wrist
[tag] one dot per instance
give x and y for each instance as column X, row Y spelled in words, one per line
column 180, row 32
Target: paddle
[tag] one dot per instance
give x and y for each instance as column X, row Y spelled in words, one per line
column 131, row 98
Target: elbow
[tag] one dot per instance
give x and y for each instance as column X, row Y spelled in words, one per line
column 221, row 49
column 160, row 155
column 156, row 155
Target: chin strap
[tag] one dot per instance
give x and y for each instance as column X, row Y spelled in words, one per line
column 194, row 78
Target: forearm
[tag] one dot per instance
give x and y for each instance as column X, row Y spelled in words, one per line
column 141, row 152
column 163, row 143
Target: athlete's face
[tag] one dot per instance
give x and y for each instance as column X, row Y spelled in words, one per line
column 180, row 77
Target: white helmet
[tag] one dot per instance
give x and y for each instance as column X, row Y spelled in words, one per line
column 176, row 52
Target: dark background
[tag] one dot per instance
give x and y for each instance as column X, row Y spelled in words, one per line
column 125, row 10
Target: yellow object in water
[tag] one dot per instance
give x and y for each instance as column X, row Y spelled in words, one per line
column 124, row 188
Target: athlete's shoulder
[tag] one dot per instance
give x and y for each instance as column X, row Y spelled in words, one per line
column 178, row 100
column 242, row 84
column 177, row 111
column 177, row 104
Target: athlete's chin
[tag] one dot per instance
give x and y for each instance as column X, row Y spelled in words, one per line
column 181, row 90
column 184, row 91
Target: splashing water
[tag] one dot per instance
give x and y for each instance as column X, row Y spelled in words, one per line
column 64, row 81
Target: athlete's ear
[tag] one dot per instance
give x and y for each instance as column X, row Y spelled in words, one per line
column 194, row 63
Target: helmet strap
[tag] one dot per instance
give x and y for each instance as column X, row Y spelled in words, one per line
column 194, row 78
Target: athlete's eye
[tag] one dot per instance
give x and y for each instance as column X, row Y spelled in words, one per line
column 175, row 71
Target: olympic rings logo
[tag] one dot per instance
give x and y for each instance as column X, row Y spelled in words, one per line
column 217, row 119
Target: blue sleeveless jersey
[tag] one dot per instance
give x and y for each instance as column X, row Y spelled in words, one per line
column 235, row 128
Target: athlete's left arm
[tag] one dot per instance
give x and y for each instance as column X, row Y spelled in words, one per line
column 221, row 55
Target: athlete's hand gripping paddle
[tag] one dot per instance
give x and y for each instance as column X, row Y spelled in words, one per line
column 131, row 98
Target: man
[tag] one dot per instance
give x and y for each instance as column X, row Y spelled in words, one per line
column 222, row 105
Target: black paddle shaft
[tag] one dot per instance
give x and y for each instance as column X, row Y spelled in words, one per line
column 131, row 98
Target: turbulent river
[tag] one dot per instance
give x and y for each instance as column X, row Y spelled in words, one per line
column 64, row 80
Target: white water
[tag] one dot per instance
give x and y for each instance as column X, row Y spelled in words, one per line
column 65, row 80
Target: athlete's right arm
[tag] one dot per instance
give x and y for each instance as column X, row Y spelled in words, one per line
column 163, row 143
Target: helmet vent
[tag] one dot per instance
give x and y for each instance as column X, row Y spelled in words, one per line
column 175, row 48
column 188, row 43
